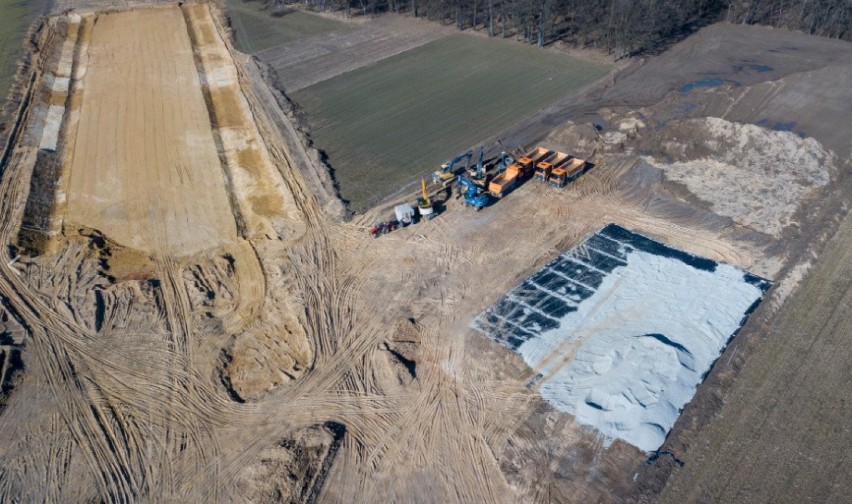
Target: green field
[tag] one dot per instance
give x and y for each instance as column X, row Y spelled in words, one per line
column 15, row 18
column 256, row 29
column 383, row 124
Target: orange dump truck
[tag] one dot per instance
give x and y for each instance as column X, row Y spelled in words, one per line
column 504, row 182
column 543, row 168
column 559, row 177
column 517, row 172
column 529, row 161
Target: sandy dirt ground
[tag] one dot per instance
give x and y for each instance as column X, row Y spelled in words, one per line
column 789, row 446
column 305, row 361
column 145, row 169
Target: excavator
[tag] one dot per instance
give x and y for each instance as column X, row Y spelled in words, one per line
column 446, row 172
column 506, row 160
column 477, row 174
column 473, row 194
column 424, row 204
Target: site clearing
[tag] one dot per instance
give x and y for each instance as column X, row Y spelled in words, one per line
column 646, row 263
column 150, row 180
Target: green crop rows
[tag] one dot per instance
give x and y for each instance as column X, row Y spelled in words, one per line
column 15, row 17
column 257, row 29
column 383, row 124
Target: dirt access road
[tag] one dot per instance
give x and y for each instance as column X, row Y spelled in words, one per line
column 310, row 362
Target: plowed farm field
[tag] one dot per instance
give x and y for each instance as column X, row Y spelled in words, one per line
column 383, row 125
column 258, row 27
column 145, row 167
column 785, row 424
column 14, row 19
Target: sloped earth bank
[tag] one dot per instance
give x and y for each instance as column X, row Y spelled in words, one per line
column 134, row 376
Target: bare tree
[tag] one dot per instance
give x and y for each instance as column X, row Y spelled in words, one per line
column 623, row 27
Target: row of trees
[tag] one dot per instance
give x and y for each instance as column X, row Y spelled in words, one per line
column 828, row 18
column 623, row 27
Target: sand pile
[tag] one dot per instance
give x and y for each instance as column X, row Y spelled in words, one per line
column 623, row 330
column 756, row 176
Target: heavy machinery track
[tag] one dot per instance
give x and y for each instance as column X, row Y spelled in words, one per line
column 122, row 398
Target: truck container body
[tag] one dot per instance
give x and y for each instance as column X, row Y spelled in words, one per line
column 559, row 177
column 574, row 167
column 503, row 183
column 543, row 168
column 528, row 162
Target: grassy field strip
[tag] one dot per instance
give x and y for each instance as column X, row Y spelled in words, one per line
column 380, row 125
column 256, row 30
column 783, row 431
column 15, row 17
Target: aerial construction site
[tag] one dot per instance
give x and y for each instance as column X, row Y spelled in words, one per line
column 269, row 255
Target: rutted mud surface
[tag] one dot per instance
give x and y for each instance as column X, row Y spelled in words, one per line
column 293, row 471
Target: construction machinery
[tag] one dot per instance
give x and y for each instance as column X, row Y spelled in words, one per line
column 424, row 204
column 506, row 161
column 544, row 168
column 477, row 174
column 516, row 173
column 383, row 227
column 404, row 214
column 504, row 182
column 532, row 158
column 560, row 177
column 447, row 170
column 473, row 194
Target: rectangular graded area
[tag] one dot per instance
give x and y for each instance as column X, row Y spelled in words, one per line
column 384, row 124
column 145, row 168
column 621, row 330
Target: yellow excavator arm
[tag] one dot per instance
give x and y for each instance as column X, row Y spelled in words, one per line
column 426, row 201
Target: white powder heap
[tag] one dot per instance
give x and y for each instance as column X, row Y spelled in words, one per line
column 59, row 85
column 52, row 124
column 651, row 330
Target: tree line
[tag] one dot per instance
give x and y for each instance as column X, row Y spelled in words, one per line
column 621, row 27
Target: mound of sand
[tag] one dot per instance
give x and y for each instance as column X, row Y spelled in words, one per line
column 622, row 329
column 754, row 175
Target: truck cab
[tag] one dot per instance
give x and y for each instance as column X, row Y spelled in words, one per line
column 559, row 177
column 544, row 168
column 528, row 162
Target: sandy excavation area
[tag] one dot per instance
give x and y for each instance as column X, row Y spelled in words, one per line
column 145, row 168
column 185, row 316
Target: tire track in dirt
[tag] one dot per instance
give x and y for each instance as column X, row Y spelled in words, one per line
column 160, row 430
column 88, row 410
column 92, row 386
